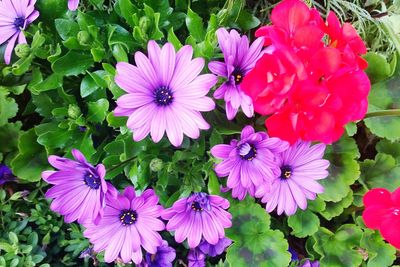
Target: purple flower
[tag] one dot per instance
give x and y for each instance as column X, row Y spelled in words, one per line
column 129, row 223
column 248, row 163
column 300, row 166
column 15, row 16
column 217, row 249
column 239, row 60
column 164, row 257
column 196, row 258
column 309, row 263
column 165, row 93
column 79, row 188
column 73, row 4
column 199, row 215
column 5, row 174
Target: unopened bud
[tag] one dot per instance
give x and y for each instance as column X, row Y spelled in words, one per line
column 156, row 165
column 22, row 50
column 74, row 111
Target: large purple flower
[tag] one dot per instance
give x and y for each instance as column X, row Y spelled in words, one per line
column 79, row 188
column 199, row 215
column 129, row 223
column 165, row 93
column 217, row 249
column 249, row 162
column 164, row 257
column 73, row 4
column 15, row 16
column 300, row 166
column 239, row 60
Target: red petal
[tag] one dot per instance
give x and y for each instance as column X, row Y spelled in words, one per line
column 377, row 197
column 373, row 216
column 290, row 15
column 390, row 229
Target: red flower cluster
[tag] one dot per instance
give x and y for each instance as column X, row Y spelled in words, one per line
column 310, row 79
column 382, row 212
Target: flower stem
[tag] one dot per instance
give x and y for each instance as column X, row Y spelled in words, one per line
column 381, row 113
column 120, row 164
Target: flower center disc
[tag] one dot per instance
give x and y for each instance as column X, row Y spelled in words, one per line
column 128, row 217
column 19, row 22
column 92, row 181
column 247, row 151
column 238, row 76
column 196, row 206
column 163, row 96
column 286, row 172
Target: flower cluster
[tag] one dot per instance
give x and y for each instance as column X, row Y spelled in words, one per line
column 282, row 176
column 124, row 224
column 382, row 212
column 311, row 80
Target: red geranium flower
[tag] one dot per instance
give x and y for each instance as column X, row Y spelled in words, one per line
column 311, row 79
column 382, row 212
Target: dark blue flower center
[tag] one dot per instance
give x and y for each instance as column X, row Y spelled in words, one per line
column 93, row 181
column 200, row 202
column 286, row 172
column 238, row 75
column 163, row 96
column 128, row 217
column 19, row 22
column 247, row 151
column 196, row 206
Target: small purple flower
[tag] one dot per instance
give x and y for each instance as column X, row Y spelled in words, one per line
column 294, row 254
column 250, row 162
column 198, row 216
column 217, row 249
column 79, row 189
column 73, row 4
column 15, row 16
column 164, row 257
column 165, row 93
column 309, row 263
column 129, row 223
column 300, row 166
column 196, row 258
column 239, row 60
column 5, row 174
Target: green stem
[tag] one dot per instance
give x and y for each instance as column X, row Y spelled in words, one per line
column 120, row 164
column 381, row 113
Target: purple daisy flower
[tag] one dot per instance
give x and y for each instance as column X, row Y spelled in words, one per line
column 5, row 174
column 249, row 162
column 239, row 60
column 129, row 223
column 300, row 166
column 196, row 258
column 164, row 257
column 217, row 249
column 79, row 190
column 309, row 263
column 165, row 93
column 15, row 16
column 199, row 215
column 73, row 4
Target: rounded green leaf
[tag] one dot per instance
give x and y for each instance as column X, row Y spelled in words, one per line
column 303, row 223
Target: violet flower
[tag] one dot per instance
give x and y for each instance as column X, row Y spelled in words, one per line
column 15, row 16
column 198, row 216
column 215, row 250
column 73, row 4
column 239, row 59
column 165, row 93
column 196, row 258
column 164, row 257
column 5, row 174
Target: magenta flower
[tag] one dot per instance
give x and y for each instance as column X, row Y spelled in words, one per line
column 129, row 223
column 196, row 258
column 217, row 249
column 79, row 189
column 300, row 166
column 249, row 162
column 309, row 263
column 239, row 60
column 165, row 93
column 15, row 16
column 199, row 215
column 73, row 4
column 164, row 257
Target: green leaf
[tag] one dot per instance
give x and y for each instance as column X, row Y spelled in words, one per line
column 53, row 81
column 66, row 28
column 98, row 110
column 334, row 209
column 247, row 21
column 343, row 169
column 303, row 223
column 391, row 148
column 385, row 95
column 195, row 25
column 381, row 172
column 379, row 252
column 340, row 248
column 88, row 86
column 72, row 63
column 173, row 39
column 213, row 184
column 8, row 107
column 31, row 159
column 378, row 68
